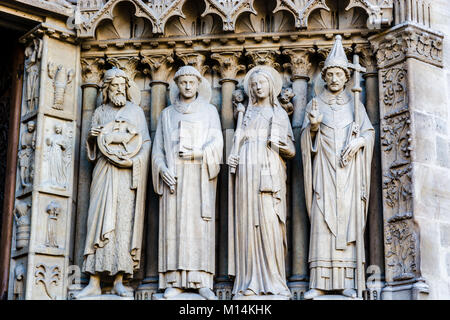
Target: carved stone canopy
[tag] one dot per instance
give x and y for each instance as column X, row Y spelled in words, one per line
column 90, row 14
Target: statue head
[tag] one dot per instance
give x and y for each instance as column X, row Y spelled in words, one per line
column 116, row 87
column 261, row 87
column 31, row 126
column 188, row 80
column 335, row 71
column 58, row 129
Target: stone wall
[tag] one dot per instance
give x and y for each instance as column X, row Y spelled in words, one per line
column 432, row 193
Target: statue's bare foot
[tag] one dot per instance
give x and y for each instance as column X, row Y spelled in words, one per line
column 249, row 292
column 312, row 293
column 351, row 293
column 92, row 289
column 207, row 293
column 121, row 290
column 172, row 292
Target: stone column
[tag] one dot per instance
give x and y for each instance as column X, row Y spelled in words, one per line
column 228, row 68
column 374, row 225
column 414, row 160
column 298, row 280
column 158, row 65
column 92, row 71
column 47, row 201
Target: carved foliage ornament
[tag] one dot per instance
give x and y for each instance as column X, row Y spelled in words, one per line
column 48, row 276
column 401, row 243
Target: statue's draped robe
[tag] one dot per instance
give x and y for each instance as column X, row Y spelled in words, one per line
column 332, row 191
column 187, row 216
column 58, row 163
column 257, row 217
column 117, row 197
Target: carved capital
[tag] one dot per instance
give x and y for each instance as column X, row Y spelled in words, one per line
column 92, row 70
column 299, row 64
column 228, row 66
column 195, row 59
column 267, row 57
column 367, row 58
column 408, row 41
column 158, row 64
column 126, row 63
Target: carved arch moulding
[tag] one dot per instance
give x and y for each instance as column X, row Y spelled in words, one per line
column 89, row 14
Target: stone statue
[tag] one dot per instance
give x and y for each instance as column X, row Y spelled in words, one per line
column 117, row 194
column 337, row 167
column 58, row 156
column 186, row 158
column 33, row 54
column 26, row 155
column 257, row 215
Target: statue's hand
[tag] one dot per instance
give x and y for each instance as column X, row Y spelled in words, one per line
column 315, row 117
column 168, row 178
column 233, row 160
column 351, row 149
column 95, row 132
column 190, row 154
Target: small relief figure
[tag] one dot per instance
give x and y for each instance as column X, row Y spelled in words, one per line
column 26, row 155
column 22, row 216
column 337, row 142
column 53, row 211
column 58, row 156
column 286, row 96
column 257, row 217
column 61, row 78
column 186, row 158
column 33, row 54
column 119, row 145
column 19, row 282
column 238, row 99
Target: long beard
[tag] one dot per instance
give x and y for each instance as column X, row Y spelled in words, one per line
column 119, row 100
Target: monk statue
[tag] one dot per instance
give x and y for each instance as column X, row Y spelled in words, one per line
column 117, row 195
column 337, row 152
column 186, row 158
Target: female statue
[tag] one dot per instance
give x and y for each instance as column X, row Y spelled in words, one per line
column 258, row 211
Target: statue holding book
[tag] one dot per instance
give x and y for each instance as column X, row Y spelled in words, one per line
column 186, row 157
column 257, row 217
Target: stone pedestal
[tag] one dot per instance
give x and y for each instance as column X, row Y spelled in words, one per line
column 181, row 296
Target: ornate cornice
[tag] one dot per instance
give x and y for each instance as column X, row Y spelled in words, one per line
column 408, row 40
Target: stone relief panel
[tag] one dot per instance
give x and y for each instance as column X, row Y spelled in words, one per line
column 27, row 146
column 48, row 278
column 22, row 218
column 33, row 55
column 402, row 245
column 19, row 282
column 57, row 155
column 61, row 77
column 51, row 222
